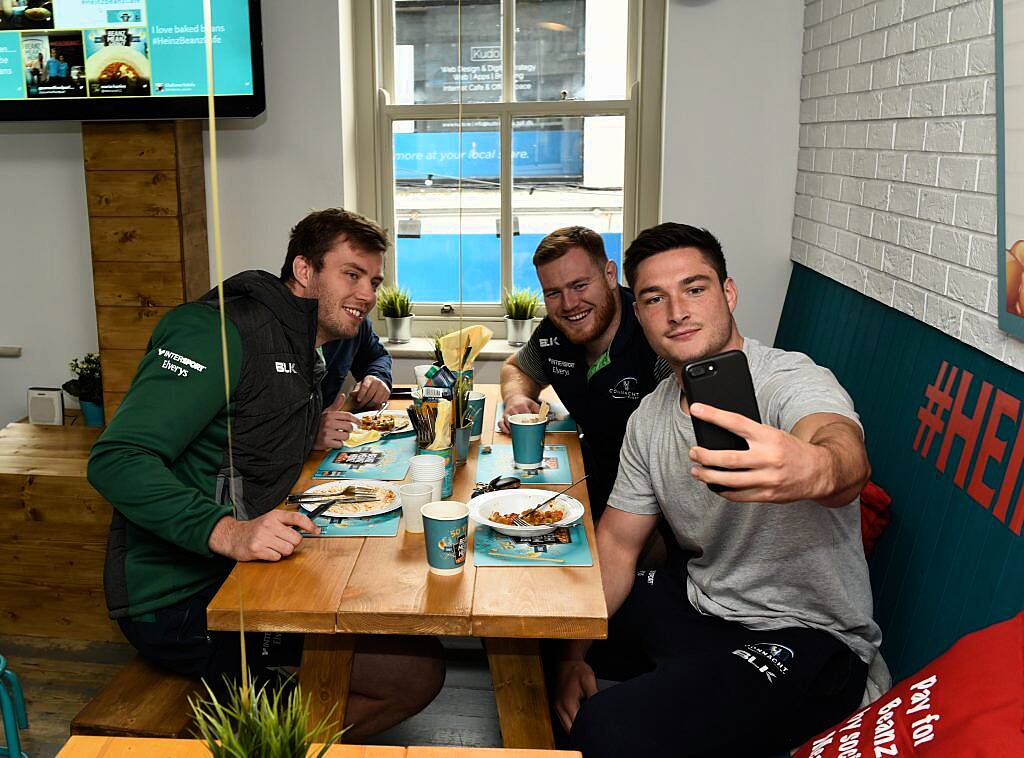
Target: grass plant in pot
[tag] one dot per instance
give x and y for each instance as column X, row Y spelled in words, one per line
column 395, row 306
column 520, row 308
column 269, row 722
column 87, row 386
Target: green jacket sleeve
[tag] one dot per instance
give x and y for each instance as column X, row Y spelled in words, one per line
column 176, row 400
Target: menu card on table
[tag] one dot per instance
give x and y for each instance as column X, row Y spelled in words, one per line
column 566, row 546
column 381, row 525
column 387, row 460
column 499, row 463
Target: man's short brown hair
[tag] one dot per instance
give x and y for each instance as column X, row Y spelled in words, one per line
column 321, row 230
column 559, row 242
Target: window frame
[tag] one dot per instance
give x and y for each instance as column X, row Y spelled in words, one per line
column 374, row 189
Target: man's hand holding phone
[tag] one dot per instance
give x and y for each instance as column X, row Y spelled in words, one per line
column 778, row 467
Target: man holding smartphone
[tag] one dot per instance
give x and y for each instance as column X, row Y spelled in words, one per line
column 766, row 618
column 589, row 348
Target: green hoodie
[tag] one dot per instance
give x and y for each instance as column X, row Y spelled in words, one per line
column 158, row 460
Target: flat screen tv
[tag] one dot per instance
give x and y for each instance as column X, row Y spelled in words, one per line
column 86, row 60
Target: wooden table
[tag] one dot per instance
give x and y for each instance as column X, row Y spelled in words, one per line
column 335, row 588
column 134, row 747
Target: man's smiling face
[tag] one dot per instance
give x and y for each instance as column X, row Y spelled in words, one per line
column 686, row 312
column 346, row 288
column 579, row 294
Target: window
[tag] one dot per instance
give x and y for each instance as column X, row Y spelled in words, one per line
column 498, row 121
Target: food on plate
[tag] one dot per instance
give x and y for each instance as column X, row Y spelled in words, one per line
column 381, row 423
column 541, row 517
column 382, row 497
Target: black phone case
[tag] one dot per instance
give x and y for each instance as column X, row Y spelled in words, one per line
column 722, row 381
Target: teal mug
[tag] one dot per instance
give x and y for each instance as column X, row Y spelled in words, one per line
column 527, row 430
column 446, row 535
column 476, row 408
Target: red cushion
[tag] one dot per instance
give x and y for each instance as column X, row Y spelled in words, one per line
column 874, row 514
column 969, row 701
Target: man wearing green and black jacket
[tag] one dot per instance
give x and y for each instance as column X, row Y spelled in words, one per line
column 190, row 499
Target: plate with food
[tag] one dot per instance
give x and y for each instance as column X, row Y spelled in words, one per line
column 496, row 510
column 374, row 497
column 388, row 422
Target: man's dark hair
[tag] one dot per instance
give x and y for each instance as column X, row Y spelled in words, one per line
column 557, row 244
column 321, row 230
column 669, row 236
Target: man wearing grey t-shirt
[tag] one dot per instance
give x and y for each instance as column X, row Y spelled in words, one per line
column 762, row 633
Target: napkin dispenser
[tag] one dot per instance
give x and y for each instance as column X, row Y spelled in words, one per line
column 46, row 406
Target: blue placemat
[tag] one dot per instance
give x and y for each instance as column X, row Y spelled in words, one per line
column 559, row 419
column 382, row 525
column 566, row 546
column 499, row 463
column 387, row 460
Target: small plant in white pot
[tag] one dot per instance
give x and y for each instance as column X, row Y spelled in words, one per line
column 520, row 308
column 395, row 306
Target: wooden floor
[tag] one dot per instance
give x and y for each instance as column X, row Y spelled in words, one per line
column 60, row 676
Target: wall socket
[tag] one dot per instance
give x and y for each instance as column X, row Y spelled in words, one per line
column 10, row 351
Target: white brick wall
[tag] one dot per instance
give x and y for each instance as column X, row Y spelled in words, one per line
column 895, row 192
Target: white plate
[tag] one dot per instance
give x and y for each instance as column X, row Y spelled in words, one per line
column 402, row 423
column 507, row 502
column 338, row 486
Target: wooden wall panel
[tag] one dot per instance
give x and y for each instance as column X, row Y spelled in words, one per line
column 132, row 193
column 119, row 368
column 135, row 239
column 136, row 285
column 111, row 400
column 126, row 328
column 135, row 145
column 146, row 194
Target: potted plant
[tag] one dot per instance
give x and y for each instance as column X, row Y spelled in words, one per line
column 520, row 307
column 395, row 306
column 87, row 386
column 253, row 721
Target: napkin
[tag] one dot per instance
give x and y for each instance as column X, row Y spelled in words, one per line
column 442, row 427
column 453, row 346
column 359, row 437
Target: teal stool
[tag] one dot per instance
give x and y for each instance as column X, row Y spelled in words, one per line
column 13, row 705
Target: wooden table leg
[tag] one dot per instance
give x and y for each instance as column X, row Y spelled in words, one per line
column 518, row 678
column 324, row 675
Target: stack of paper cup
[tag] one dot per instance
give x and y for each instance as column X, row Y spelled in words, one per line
column 428, row 469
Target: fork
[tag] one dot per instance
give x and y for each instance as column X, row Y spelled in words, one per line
column 347, row 492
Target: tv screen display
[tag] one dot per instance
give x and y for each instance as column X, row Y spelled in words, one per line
column 127, row 59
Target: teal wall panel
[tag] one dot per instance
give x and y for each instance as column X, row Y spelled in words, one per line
column 946, row 565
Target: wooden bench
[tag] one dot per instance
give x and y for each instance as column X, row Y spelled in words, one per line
column 141, row 701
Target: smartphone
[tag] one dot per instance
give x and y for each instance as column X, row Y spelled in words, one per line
column 721, row 381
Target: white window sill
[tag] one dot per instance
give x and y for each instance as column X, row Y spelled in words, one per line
column 423, row 348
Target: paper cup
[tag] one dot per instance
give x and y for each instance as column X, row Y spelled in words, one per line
column 428, row 469
column 476, row 405
column 415, row 496
column 447, row 455
column 527, row 440
column 446, row 535
column 421, row 374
